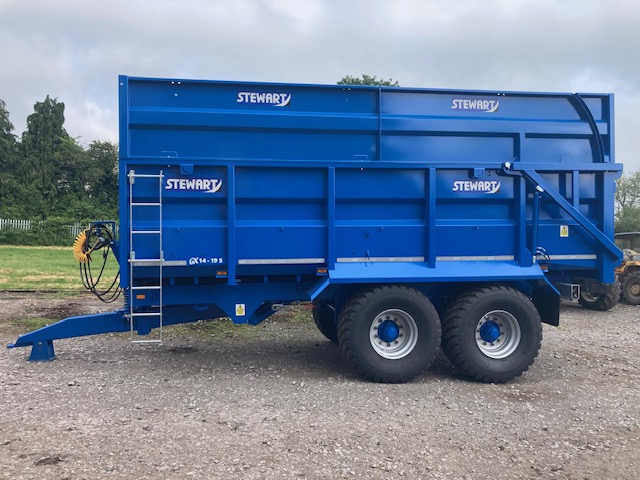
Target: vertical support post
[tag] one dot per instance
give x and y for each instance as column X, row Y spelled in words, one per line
column 611, row 145
column 123, row 245
column 331, row 218
column 518, row 147
column 379, row 123
column 123, row 187
column 430, row 217
column 523, row 256
column 535, row 219
column 575, row 188
column 231, row 225
column 608, row 182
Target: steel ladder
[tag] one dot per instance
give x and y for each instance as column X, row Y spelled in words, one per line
column 139, row 292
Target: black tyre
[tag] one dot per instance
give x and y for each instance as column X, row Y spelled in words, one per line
column 325, row 317
column 389, row 334
column 602, row 301
column 492, row 334
column 631, row 288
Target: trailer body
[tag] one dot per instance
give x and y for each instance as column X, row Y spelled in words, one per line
column 238, row 197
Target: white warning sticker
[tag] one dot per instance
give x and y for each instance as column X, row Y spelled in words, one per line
column 241, row 310
column 564, row 231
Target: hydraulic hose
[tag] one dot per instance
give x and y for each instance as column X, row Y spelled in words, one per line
column 97, row 238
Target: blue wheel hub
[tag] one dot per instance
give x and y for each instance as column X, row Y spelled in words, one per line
column 388, row 331
column 489, row 331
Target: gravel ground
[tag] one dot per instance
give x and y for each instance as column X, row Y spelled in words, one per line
column 281, row 402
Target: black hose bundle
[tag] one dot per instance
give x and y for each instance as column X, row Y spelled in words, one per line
column 98, row 237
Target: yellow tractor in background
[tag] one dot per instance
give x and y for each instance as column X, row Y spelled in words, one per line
column 629, row 271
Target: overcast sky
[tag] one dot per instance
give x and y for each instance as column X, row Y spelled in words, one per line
column 74, row 49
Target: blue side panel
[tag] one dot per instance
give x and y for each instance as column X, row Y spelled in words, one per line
column 282, row 183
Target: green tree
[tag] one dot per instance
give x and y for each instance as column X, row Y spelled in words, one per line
column 7, row 139
column 70, row 167
column 8, row 154
column 53, row 169
column 628, row 191
column 628, row 203
column 368, row 80
column 102, row 178
column 42, row 139
column 628, row 220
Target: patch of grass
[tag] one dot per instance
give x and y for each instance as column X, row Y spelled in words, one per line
column 225, row 328
column 30, row 324
column 220, row 328
column 294, row 314
column 46, row 268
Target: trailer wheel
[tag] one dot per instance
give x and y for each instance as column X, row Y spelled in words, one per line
column 389, row 334
column 602, row 301
column 324, row 315
column 631, row 288
column 492, row 334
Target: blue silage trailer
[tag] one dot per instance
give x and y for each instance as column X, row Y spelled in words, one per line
column 411, row 218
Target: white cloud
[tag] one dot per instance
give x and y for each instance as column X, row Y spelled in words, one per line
column 74, row 50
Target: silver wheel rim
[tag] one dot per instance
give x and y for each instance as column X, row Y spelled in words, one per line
column 502, row 344
column 589, row 297
column 403, row 344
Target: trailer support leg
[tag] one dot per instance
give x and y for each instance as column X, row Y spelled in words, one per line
column 42, row 351
column 41, row 340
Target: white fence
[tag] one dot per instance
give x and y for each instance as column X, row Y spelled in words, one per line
column 13, row 224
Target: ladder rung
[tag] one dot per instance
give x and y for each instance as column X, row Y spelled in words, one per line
column 147, row 260
column 146, row 204
column 146, row 341
column 145, row 175
column 147, row 314
column 149, row 287
column 146, row 232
